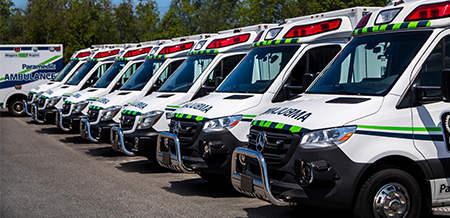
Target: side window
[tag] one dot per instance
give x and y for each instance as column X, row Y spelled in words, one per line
column 168, row 71
column 131, row 70
column 97, row 74
column 222, row 69
column 430, row 74
column 313, row 61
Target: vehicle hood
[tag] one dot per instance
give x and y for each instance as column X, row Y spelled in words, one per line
column 44, row 87
column 62, row 90
column 220, row 104
column 159, row 101
column 89, row 94
column 321, row 111
column 118, row 97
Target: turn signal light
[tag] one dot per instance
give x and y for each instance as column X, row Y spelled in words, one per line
column 432, row 11
column 176, row 48
column 219, row 43
column 312, row 29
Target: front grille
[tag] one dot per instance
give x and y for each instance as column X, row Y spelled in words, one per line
column 277, row 144
column 41, row 102
column 29, row 97
column 127, row 121
column 66, row 108
column 188, row 130
column 93, row 115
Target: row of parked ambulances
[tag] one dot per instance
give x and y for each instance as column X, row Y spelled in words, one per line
column 343, row 110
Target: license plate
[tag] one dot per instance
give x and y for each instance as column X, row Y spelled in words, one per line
column 166, row 158
column 246, row 183
column 83, row 130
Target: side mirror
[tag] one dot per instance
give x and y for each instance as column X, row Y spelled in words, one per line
column 445, row 85
column 217, row 81
column 308, row 78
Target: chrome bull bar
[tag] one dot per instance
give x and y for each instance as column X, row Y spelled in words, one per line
column 252, row 186
column 59, row 121
column 26, row 108
column 35, row 114
column 117, row 143
column 85, row 130
column 169, row 159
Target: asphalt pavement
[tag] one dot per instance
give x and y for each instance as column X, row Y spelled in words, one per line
column 45, row 172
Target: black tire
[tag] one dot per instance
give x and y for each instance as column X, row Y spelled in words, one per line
column 392, row 185
column 17, row 108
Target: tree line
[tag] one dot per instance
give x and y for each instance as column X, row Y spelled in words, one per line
column 78, row 24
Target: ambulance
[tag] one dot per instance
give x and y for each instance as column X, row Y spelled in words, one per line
column 207, row 65
column 77, row 60
column 161, row 62
column 97, row 64
column 372, row 132
column 24, row 67
column 125, row 65
column 202, row 139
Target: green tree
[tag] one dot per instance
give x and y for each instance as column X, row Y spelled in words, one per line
column 125, row 22
column 147, row 16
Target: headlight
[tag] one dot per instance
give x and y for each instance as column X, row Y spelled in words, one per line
column 110, row 112
column 149, row 119
column 36, row 96
column 53, row 101
column 327, row 137
column 78, row 107
column 220, row 124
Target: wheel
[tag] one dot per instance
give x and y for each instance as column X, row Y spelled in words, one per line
column 16, row 107
column 390, row 192
column 213, row 178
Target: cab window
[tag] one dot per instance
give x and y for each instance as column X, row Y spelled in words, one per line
column 131, row 70
column 222, row 69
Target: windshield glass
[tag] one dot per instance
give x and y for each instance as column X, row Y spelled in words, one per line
column 76, row 78
column 258, row 70
column 370, row 65
column 143, row 74
column 183, row 78
column 112, row 72
column 63, row 73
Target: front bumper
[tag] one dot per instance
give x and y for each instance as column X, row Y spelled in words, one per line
column 97, row 132
column 170, row 158
column 68, row 123
column 41, row 116
column 28, row 107
column 140, row 142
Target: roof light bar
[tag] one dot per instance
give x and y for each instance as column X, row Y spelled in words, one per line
column 219, row 43
column 363, row 22
column 83, row 54
column 137, row 52
column 312, row 29
column 431, row 11
column 176, row 48
column 106, row 53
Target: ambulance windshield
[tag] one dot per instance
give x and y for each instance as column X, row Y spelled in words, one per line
column 183, row 78
column 370, row 65
column 112, row 72
column 143, row 74
column 77, row 77
column 258, row 70
column 63, row 73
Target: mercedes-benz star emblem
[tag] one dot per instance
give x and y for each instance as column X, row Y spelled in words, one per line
column 176, row 127
column 261, row 141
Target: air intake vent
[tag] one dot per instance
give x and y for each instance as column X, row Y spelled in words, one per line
column 344, row 100
column 92, row 90
column 238, row 97
column 64, row 87
column 165, row 96
column 124, row 93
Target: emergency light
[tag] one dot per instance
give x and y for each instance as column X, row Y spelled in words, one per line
column 363, row 22
column 218, row 43
column 83, row 54
column 311, row 29
column 106, row 53
column 138, row 52
column 176, row 48
column 258, row 37
column 431, row 11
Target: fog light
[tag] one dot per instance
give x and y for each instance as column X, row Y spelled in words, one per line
column 206, row 149
column 166, row 142
column 136, row 143
column 242, row 159
column 99, row 135
column 306, row 173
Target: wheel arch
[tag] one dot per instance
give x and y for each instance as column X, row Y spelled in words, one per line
column 14, row 96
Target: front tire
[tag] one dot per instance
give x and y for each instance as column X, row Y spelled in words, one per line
column 389, row 192
column 16, row 107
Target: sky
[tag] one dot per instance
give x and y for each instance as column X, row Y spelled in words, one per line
column 163, row 5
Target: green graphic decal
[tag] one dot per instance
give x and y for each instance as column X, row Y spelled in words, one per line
column 396, row 26
column 274, row 125
column 43, row 63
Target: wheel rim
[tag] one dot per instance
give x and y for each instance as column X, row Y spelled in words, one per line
column 18, row 107
column 392, row 200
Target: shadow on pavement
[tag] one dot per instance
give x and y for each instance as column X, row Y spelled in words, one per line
column 104, row 152
column 142, row 167
column 200, row 187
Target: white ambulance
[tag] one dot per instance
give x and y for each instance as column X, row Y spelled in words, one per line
column 23, row 67
column 97, row 64
column 77, row 60
column 206, row 131
column 125, row 65
column 210, row 62
column 372, row 132
column 160, row 64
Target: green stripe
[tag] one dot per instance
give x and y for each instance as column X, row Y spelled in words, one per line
column 67, row 94
column 173, row 106
column 252, row 116
column 43, row 63
column 93, row 98
column 396, row 26
column 274, row 125
column 395, row 128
